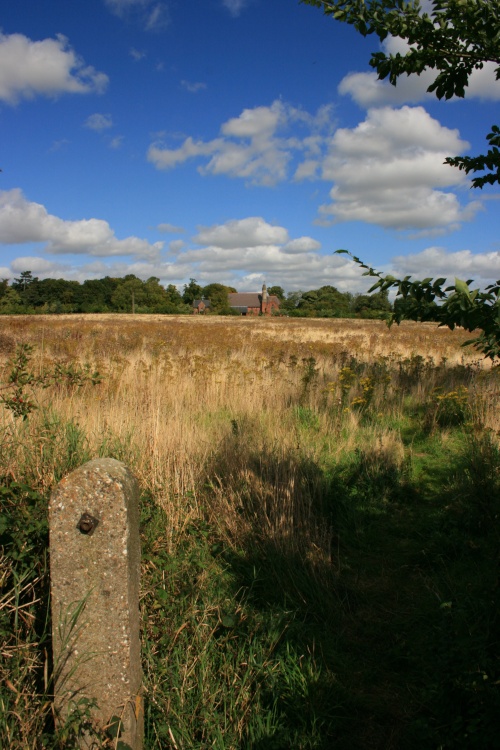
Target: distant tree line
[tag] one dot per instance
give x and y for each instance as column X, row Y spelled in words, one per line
column 30, row 295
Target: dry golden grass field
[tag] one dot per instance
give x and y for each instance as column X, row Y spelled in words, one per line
column 312, row 476
column 175, row 388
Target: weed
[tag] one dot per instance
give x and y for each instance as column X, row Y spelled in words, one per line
column 319, row 567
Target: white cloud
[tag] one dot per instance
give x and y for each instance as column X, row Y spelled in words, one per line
column 389, row 171
column 271, row 263
column 307, row 170
column 37, row 265
column 239, row 233
column 22, row 221
column 98, row 122
column 48, row 68
column 484, row 268
column 260, row 122
column 164, row 158
column 249, row 252
column 245, row 252
column 176, row 246
column 251, row 146
column 368, row 91
column 301, row 245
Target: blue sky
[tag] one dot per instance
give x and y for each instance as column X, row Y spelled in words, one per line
column 233, row 141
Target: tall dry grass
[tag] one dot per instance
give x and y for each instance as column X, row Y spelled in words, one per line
column 240, row 430
column 177, row 391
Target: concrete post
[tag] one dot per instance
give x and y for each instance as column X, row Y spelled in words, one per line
column 95, row 575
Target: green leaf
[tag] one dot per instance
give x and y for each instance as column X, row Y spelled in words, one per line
column 114, row 728
column 462, row 287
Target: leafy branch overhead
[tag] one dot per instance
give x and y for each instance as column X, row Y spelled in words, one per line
column 452, row 306
column 456, row 38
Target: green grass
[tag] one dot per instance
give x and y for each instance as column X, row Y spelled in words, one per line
column 317, row 599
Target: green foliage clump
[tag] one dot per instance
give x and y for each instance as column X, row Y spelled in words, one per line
column 17, row 394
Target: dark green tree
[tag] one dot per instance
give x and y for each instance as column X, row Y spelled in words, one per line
column 375, row 305
column 56, row 295
column 276, row 291
column 192, row 291
column 95, row 295
column 129, row 295
column 325, row 302
column 173, row 295
column 27, row 288
column 10, row 302
column 218, row 296
column 25, row 279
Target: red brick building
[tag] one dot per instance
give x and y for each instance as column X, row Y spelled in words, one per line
column 253, row 303
column 200, row 306
column 246, row 303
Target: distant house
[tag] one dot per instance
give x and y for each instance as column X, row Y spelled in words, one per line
column 245, row 303
column 253, row 303
column 200, row 306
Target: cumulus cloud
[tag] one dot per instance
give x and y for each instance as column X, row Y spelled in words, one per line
column 389, row 171
column 254, row 146
column 301, row 245
column 176, row 246
column 246, row 268
column 22, row 221
column 98, row 122
column 37, row 265
column 239, row 233
column 47, row 68
column 241, row 252
column 246, row 252
column 368, row 91
column 483, row 268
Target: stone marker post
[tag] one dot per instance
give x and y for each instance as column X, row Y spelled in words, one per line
column 95, row 571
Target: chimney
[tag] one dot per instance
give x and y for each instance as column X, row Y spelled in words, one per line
column 263, row 307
